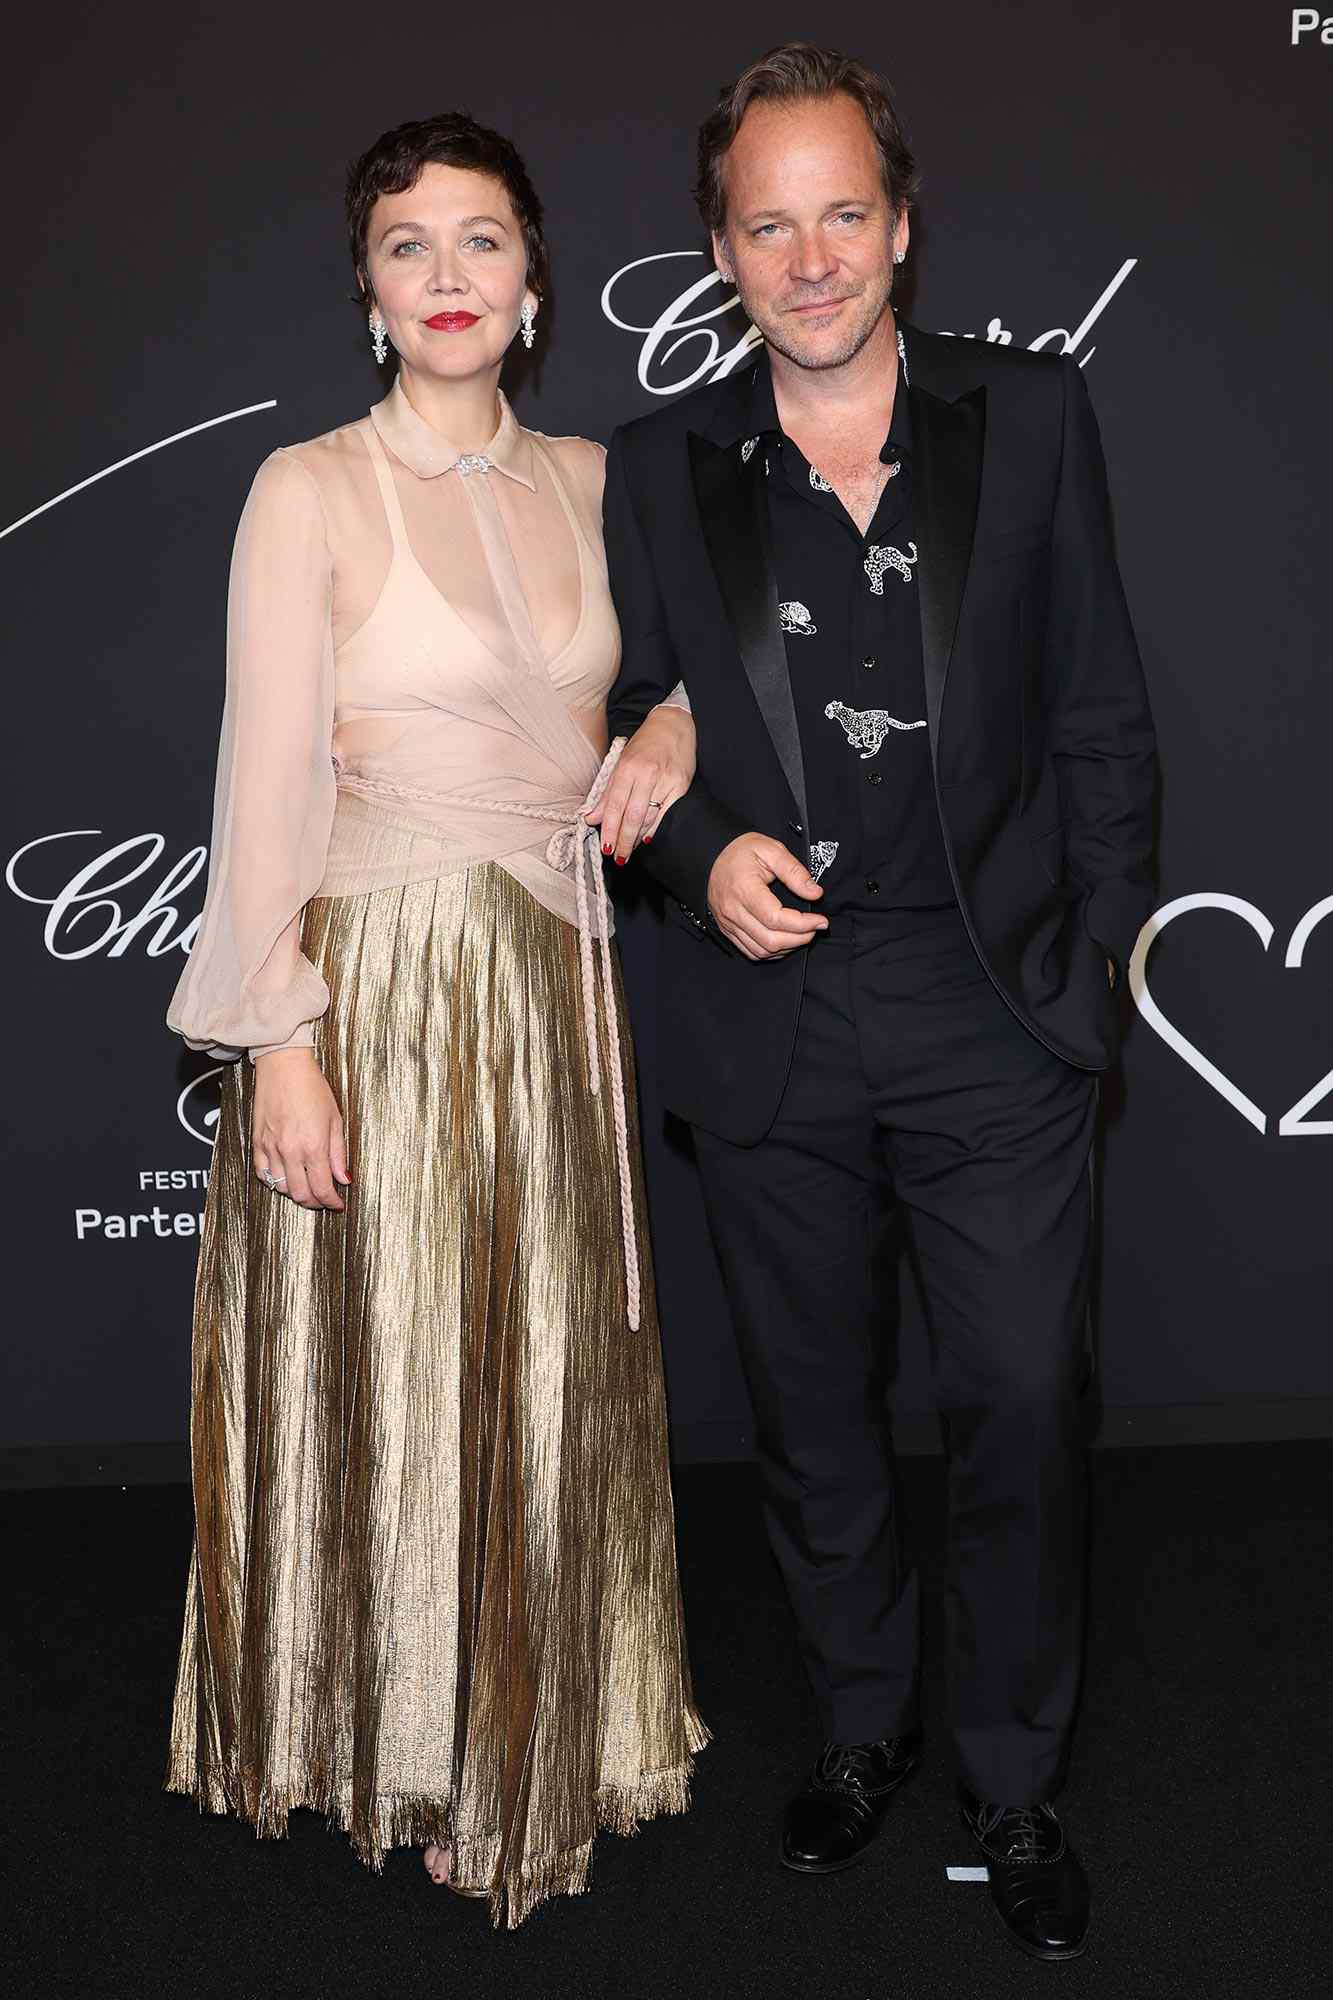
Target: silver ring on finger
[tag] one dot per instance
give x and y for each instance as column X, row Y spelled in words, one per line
column 272, row 1180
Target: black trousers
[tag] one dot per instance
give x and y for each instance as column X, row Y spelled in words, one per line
column 912, row 1083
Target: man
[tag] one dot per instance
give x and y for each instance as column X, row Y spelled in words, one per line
column 910, row 870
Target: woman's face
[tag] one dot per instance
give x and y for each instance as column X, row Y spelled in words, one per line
column 447, row 265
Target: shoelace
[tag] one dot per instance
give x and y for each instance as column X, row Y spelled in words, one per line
column 1020, row 1828
column 851, row 1765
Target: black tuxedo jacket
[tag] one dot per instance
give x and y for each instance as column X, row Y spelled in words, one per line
column 1040, row 732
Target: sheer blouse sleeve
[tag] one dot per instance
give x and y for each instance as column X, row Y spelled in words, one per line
column 247, row 985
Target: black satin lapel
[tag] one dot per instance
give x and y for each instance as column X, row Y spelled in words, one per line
column 947, row 448
column 734, row 512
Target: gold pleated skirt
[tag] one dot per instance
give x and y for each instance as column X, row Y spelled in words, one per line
column 433, row 1593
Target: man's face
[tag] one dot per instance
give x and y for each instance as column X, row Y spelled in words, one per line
column 809, row 235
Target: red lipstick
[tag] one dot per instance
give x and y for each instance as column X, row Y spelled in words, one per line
column 455, row 322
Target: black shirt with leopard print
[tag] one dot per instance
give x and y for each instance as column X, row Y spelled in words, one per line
column 848, row 604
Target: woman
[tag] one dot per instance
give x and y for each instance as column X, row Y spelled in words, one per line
column 434, row 1590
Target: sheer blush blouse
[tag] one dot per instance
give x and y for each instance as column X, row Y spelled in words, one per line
column 420, row 645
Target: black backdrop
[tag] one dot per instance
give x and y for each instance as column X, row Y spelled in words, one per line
column 1146, row 185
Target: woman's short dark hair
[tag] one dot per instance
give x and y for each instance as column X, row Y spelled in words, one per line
column 788, row 75
column 394, row 163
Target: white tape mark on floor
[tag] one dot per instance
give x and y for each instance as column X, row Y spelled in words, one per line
column 968, row 1874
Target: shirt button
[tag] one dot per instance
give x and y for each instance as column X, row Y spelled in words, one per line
column 872, row 886
column 870, row 665
column 874, row 777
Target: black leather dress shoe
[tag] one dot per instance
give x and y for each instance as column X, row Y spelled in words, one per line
column 831, row 1823
column 1036, row 1880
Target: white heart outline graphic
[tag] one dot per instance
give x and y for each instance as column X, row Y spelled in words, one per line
column 1293, row 1123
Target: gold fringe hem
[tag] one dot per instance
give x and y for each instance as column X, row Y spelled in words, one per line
column 415, row 1820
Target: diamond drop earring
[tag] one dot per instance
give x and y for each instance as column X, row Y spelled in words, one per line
column 527, row 319
column 898, row 256
column 379, row 338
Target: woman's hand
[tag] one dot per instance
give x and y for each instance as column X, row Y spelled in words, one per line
column 656, row 768
column 298, row 1130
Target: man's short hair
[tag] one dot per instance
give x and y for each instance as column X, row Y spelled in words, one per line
column 791, row 74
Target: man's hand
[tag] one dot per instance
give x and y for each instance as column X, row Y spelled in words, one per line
column 655, row 769
column 744, row 907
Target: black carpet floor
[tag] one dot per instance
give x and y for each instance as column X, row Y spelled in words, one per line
column 1199, row 1794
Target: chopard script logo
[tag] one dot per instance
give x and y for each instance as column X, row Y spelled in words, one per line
column 681, row 347
column 85, row 912
column 88, row 914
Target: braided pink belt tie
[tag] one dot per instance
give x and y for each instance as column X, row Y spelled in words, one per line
column 577, row 849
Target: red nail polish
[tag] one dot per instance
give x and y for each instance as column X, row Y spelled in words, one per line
column 620, row 860
column 607, row 851
column 647, row 840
